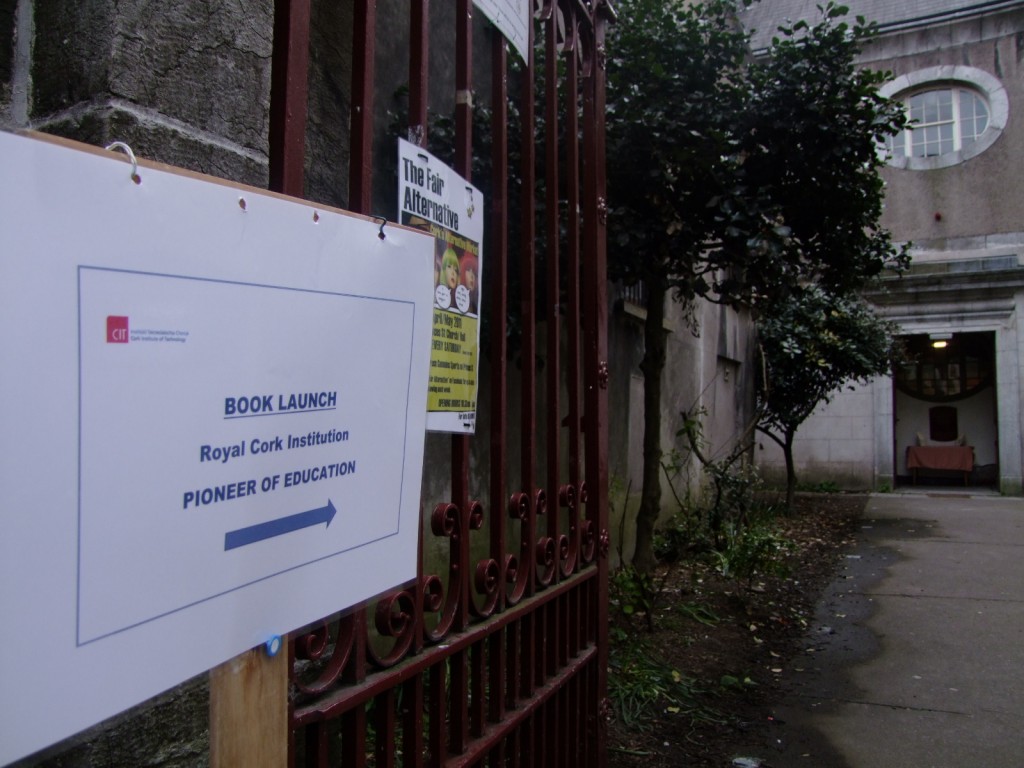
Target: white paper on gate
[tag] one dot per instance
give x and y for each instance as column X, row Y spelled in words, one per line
column 211, row 428
column 512, row 18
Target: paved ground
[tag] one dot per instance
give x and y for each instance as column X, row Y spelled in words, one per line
column 916, row 657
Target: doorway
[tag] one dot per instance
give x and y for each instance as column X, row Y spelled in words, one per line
column 945, row 410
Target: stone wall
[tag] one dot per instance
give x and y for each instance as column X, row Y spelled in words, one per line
column 182, row 83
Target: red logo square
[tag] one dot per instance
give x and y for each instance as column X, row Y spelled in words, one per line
column 117, row 329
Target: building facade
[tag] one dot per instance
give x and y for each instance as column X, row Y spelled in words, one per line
column 953, row 194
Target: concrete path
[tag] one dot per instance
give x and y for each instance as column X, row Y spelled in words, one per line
column 916, row 656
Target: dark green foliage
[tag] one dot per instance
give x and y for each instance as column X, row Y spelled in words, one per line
column 675, row 87
column 735, row 180
column 809, row 141
column 640, row 686
column 812, row 345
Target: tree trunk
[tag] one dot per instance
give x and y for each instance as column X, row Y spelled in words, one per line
column 653, row 366
column 787, row 451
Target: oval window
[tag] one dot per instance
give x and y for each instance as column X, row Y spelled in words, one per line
column 941, row 121
column 954, row 114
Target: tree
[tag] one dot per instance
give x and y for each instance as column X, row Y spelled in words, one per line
column 809, row 137
column 674, row 86
column 811, row 346
column 736, row 182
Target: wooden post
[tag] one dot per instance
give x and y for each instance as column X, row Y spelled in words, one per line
column 249, row 711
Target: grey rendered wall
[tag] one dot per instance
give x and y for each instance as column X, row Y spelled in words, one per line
column 708, row 371
column 973, row 203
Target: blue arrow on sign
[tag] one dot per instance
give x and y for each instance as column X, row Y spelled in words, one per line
column 283, row 525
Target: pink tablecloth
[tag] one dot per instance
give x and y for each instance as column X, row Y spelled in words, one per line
column 956, row 457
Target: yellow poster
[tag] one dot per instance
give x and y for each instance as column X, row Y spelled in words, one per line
column 434, row 198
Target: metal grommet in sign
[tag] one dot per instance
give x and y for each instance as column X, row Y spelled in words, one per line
column 273, row 646
column 131, row 157
column 383, row 223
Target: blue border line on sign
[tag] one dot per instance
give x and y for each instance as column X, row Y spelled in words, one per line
column 79, row 642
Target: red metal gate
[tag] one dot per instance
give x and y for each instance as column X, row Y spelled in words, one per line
column 501, row 659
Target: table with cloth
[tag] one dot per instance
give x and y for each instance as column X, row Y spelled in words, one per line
column 956, row 458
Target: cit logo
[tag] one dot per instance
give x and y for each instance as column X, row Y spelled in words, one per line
column 117, row 329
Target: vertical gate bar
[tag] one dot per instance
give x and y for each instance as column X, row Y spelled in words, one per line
column 412, row 723
column 528, row 387
column 596, row 356
column 544, row 670
column 478, row 688
column 384, row 722
column 364, row 25
column 436, row 715
column 552, row 637
column 289, row 89
column 529, row 349
column 572, row 184
column 353, row 738
column 289, row 96
column 463, row 166
column 292, row 734
column 513, row 749
column 574, row 624
column 458, row 710
column 316, row 745
column 498, row 304
column 355, row 669
column 527, row 752
column 419, row 34
column 573, row 733
column 497, row 271
column 459, row 707
column 564, row 714
column 419, row 45
column 514, row 655
column 551, row 236
column 463, row 89
column 528, row 660
column 593, row 745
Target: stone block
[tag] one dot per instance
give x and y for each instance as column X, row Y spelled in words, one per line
column 72, row 54
column 330, row 102
column 206, row 64
column 184, row 83
column 7, row 34
column 168, row 731
column 152, row 139
column 858, row 453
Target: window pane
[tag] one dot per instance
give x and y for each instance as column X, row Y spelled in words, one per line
column 936, row 127
column 936, row 106
column 945, row 138
column 973, row 116
column 917, row 108
column 931, row 107
column 899, row 144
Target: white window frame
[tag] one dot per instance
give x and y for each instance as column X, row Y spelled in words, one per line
column 954, row 78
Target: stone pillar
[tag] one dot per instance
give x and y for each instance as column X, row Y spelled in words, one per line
column 183, row 83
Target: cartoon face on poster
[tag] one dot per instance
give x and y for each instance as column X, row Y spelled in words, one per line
column 434, row 198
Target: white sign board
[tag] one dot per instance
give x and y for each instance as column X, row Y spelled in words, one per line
column 512, row 18
column 211, row 431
